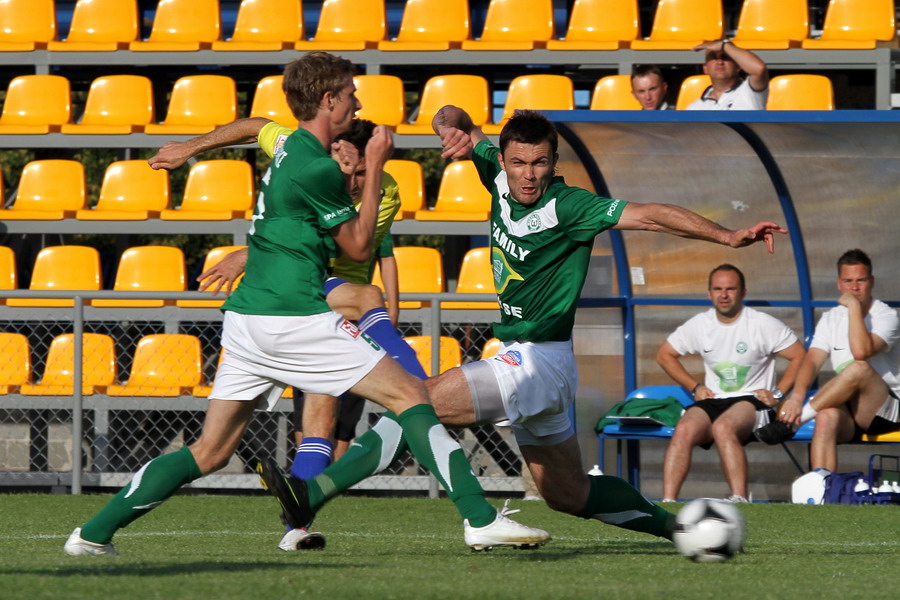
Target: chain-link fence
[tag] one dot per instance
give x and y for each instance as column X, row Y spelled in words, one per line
column 146, row 375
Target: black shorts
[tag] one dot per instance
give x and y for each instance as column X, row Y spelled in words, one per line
column 350, row 408
column 878, row 426
column 715, row 407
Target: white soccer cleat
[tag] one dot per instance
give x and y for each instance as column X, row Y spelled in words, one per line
column 503, row 531
column 78, row 546
column 301, row 539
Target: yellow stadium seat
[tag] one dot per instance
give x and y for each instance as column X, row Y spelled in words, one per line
column 216, row 190
column 269, row 102
column 100, row 25
column 772, row 24
column 26, row 24
column 857, row 25
column 430, row 25
column 450, row 352
column 116, row 104
column 48, row 190
column 515, row 25
column 382, row 99
column 891, row 436
column 9, row 279
column 198, row 104
column 800, row 92
column 36, row 104
column 476, row 276
column 682, row 24
column 213, row 257
column 265, row 25
column 15, row 362
column 613, row 92
column 348, row 25
column 411, row 183
column 536, row 92
column 148, row 269
column 419, row 270
column 491, row 348
column 182, row 26
column 131, row 191
column 691, row 89
column 98, row 366
column 600, row 25
column 469, row 92
column 62, row 268
column 461, row 196
column 165, row 364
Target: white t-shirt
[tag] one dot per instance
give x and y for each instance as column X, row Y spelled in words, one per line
column 740, row 97
column 833, row 336
column 737, row 356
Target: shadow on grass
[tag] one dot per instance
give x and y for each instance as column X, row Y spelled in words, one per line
column 154, row 570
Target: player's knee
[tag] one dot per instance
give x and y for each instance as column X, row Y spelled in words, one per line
column 370, row 297
column 857, row 371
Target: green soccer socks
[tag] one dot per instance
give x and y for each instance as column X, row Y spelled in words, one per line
column 614, row 501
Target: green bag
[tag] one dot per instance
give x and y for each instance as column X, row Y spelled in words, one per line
column 666, row 410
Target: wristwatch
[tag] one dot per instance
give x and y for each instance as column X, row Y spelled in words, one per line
column 777, row 394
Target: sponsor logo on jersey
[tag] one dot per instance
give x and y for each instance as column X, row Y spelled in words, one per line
column 503, row 273
column 337, row 213
column 349, row 328
column 510, row 246
column 612, row 208
column 513, row 357
column 279, row 144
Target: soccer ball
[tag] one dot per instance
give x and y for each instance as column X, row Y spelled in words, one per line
column 709, row 530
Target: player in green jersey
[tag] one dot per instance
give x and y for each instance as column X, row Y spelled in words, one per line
column 542, row 231
column 279, row 331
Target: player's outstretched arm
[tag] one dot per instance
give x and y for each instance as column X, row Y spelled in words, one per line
column 174, row 154
column 224, row 273
column 675, row 220
column 457, row 132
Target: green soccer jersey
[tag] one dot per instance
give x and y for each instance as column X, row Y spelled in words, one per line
column 540, row 253
column 303, row 196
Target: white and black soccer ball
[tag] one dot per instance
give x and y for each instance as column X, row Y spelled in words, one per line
column 709, row 530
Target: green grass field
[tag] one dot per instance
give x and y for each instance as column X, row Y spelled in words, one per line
column 225, row 547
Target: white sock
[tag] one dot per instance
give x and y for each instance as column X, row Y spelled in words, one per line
column 808, row 413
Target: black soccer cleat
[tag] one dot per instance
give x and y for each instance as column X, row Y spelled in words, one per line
column 290, row 492
column 775, row 432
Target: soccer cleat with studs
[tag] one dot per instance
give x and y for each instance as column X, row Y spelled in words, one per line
column 78, row 546
column 290, row 493
column 503, row 531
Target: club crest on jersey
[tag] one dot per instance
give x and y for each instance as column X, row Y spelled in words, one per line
column 350, row 329
column 513, row 357
column 534, row 222
column 741, row 347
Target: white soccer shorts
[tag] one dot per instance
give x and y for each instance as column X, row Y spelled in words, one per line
column 319, row 354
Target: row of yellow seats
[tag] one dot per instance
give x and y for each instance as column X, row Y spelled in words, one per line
column 435, row 25
column 123, row 104
column 163, row 365
column 215, row 190
column 162, row 268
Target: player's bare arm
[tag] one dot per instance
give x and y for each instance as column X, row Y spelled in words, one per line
column 809, row 367
column 670, row 361
column 668, row 218
column 863, row 343
column 224, row 273
column 457, row 132
column 174, row 154
column 794, row 354
column 355, row 236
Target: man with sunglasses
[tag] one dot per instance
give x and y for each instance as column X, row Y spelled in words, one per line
column 729, row 90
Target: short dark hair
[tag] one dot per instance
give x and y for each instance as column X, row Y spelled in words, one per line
column 307, row 79
column 359, row 133
column 727, row 267
column 854, row 257
column 644, row 70
column 529, row 127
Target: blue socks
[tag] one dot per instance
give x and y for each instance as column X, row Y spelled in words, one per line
column 313, row 455
column 377, row 324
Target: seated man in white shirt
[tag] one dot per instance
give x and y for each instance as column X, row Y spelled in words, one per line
column 738, row 345
column 729, row 91
column 860, row 338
